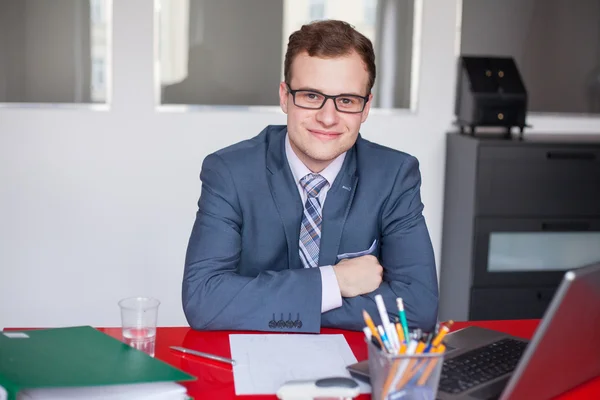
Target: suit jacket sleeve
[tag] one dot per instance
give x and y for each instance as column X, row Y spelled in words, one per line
column 215, row 296
column 406, row 255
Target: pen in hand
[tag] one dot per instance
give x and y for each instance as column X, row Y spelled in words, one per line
column 205, row 355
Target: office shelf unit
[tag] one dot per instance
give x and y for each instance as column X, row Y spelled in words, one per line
column 517, row 215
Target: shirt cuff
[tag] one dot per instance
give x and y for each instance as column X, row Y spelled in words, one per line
column 331, row 297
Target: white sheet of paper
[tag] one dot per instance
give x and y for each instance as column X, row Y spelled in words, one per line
column 263, row 363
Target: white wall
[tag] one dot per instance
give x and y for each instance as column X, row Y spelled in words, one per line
column 95, row 206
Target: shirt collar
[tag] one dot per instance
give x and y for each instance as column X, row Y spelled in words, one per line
column 299, row 170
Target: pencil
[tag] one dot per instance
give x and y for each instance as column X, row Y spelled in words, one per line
column 413, row 367
column 443, row 332
column 400, row 332
column 371, row 326
column 440, row 349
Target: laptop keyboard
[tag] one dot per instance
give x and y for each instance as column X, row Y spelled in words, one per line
column 480, row 365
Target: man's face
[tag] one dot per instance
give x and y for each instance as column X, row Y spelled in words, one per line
column 319, row 136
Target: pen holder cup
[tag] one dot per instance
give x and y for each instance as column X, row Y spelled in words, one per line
column 406, row 377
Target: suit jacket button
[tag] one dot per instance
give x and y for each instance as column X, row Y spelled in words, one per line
column 298, row 322
column 289, row 323
column 273, row 323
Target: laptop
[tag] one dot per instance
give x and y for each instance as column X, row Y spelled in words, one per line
column 483, row 364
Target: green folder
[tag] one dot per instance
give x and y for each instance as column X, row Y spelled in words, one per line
column 75, row 357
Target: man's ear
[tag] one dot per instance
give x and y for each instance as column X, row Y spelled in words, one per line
column 283, row 97
column 365, row 112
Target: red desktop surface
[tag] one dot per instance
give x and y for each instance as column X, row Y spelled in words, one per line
column 215, row 379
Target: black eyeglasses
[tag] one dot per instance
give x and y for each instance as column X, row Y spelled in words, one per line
column 313, row 100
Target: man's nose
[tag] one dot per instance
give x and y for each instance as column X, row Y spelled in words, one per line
column 328, row 114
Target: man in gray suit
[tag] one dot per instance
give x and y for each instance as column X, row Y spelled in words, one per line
column 301, row 226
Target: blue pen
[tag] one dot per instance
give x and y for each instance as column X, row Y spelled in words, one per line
column 385, row 339
column 402, row 316
column 428, row 341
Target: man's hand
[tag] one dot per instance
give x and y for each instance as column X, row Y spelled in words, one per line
column 360, row 275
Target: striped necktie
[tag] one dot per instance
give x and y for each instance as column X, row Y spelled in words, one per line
column 310, row 228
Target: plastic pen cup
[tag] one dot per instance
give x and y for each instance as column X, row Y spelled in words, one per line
column 406, row 377
column 139, row 316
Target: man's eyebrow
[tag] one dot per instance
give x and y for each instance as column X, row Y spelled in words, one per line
column 319, row 91
column 308, row 88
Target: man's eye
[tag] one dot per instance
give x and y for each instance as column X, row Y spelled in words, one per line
column 309, row 96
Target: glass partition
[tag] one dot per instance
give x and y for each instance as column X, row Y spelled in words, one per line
column 542, row 251
column 231, row 52
column 555, row 43
column 55, row 51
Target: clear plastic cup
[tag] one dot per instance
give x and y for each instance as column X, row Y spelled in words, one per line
column 406, row 377
column 138, row 319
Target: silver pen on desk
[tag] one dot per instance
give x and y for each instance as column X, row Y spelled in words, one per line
column 205, row 355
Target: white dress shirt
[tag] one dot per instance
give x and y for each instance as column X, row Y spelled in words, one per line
column 330, row 293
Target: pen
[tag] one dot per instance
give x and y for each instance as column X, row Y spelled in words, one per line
column 385, row 319
column 205, row 355
column 391, row 328
column 402, row 316
column 385, row 339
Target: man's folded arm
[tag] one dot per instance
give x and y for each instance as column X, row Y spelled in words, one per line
column 407, row 258
column 214, row 295
column 416, row 283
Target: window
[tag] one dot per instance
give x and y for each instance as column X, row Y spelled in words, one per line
column 98, row 11
column 555, row 43
column 229, row 52
column 47, row 51
column 542, row 251
column 317, row 9
column 98, row 79
column 370, row 7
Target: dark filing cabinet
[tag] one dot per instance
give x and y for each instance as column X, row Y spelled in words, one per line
column 517, row 215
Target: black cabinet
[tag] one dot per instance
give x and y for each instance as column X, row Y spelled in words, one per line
column 517, row 215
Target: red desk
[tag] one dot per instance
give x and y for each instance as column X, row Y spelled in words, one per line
column 215, row 379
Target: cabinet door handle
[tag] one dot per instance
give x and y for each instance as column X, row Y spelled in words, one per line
column 570, row 155
column 570, row 226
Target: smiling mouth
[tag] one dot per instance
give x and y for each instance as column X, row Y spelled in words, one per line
column 324, row 135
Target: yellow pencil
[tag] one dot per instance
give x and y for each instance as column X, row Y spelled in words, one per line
column 431, row 366
column 440, row 336
column 400, row 332
column 371, row 326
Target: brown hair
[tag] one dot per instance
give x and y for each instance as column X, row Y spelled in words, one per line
column 330, row 38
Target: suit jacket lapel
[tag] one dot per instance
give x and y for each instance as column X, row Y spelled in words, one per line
column 336, row 208
column 285, row 194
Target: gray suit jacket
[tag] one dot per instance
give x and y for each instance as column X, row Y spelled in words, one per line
column 243, row 270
